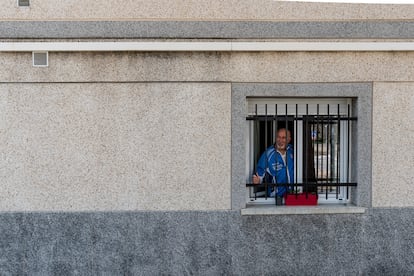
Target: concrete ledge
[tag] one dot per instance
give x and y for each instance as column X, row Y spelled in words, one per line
column 301, row 210
column 204, row 46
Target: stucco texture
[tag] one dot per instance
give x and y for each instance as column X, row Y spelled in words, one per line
column 125, row 146
column 393, row 148
column 207, row 243
column 211, row 66
column 201, row 10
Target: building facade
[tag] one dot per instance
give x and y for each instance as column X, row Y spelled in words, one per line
column 125, row 146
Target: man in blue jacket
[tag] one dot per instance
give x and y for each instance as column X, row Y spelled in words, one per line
column 276, row 164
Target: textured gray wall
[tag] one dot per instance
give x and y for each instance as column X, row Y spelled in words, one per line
column 206, row 29
column 114, row 146
column 388, row 136
column 275, row 67
column 379, row 242
column 201, row 10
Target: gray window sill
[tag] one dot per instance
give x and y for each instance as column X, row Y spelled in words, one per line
column 252, row 210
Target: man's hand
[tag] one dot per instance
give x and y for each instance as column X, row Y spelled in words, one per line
column 256, row 179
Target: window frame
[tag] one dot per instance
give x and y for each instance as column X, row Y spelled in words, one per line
column 361, row 135
column 296, row 107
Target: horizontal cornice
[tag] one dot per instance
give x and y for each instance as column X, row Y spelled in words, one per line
column 203, row 46
column 206, row 30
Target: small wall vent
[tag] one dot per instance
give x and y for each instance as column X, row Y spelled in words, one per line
column 40, row 59
column 23, row 3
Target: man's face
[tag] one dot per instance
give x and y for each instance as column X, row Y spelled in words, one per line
column 282, row 139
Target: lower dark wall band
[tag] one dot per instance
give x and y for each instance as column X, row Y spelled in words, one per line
column 207, row 243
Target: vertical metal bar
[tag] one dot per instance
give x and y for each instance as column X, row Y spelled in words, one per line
column 327, row 151
column 276, row 187
column 306, row 151
column 256, row 120
column 312, row 141
column 267, row 164
column 296, row 150
column 277, row 120
column 322, row 149
column 348, row 151
column 266, row 126
column 286, row 133
column 338, row 151
column 317, row 144
column 256, row 130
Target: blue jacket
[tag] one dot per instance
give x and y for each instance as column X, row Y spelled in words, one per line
column 272, row 169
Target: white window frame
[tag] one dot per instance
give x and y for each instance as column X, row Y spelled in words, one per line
column 345, row 162
column 45, row 53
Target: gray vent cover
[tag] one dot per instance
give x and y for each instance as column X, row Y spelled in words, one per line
column 23, row 3
column 40, row 59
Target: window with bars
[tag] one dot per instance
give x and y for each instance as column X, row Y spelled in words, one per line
column 321, row 138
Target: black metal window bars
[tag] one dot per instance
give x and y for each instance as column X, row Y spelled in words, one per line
column 323, row 133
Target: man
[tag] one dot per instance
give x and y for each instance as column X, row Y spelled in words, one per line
column 276, row 164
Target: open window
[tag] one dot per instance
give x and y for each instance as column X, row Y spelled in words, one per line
column 320, row 136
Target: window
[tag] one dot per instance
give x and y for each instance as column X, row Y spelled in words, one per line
column 321, row 140
column 360, row 138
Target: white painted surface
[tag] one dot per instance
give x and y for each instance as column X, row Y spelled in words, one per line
column 204, row 46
